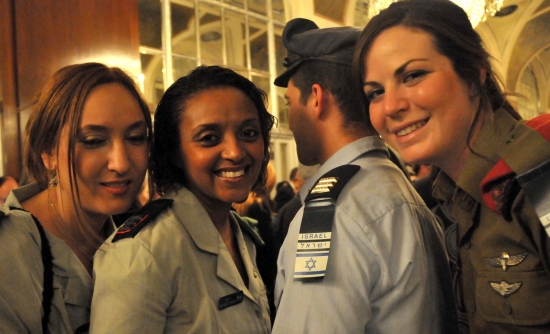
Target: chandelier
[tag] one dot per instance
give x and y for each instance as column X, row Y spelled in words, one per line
column 477, row 10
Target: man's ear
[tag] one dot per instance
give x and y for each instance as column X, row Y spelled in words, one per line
column 317, row 99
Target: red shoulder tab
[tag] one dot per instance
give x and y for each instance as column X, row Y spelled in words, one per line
column 541, row 124
column 494, row 184
column 498, row 180
column 142, row 217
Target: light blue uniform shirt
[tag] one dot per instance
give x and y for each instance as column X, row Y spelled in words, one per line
column 387, row 270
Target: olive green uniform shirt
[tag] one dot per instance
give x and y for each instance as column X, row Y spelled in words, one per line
column 498, row 298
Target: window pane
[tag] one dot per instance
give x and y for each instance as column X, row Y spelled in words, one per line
column 236, row 3
column 210, row 33
column 182, row 66
column 258, row 44
column 235, row 39
column 263, row 84
column 184, row 40
column 258, row 6
column 280, row 51
column 153, row 84
column 150, row 23
column 283, row 108
column 278, row 9
column 244, row 73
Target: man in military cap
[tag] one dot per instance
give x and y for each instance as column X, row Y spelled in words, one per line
column 364, row 254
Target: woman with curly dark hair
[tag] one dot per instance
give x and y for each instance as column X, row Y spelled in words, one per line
column 186, row 263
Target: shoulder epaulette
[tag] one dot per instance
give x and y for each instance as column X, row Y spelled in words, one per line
column 143, row 216
column 332, row 182
column 313, row 249
column 502, row 184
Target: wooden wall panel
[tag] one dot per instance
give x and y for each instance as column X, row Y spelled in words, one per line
column 10, row 116
column 51, row 34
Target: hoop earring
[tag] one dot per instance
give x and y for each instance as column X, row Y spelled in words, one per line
column 53, row 180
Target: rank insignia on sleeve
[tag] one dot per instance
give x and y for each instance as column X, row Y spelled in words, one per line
column 504, row 289
column 506, row 260
column 143, row 216
column 313, row 248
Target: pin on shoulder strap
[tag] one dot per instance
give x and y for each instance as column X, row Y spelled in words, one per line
column 131, row 227
column 315, row 235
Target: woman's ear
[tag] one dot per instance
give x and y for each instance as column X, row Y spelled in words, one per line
column 49, row 160
column 482, row 76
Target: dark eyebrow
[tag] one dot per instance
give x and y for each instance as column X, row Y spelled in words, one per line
column 93, row 127
column 252, row 120
column 399, row 71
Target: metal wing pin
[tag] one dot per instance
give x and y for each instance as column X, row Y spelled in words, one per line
column 506, row 260
column 505, row 289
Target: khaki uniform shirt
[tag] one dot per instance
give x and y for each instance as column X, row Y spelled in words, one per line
column 170, row 277
column 22, row 275
column 483, row 236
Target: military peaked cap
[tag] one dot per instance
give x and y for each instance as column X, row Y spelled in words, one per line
column 304, row 41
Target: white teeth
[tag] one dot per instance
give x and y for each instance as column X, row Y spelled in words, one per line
column 410, row 129
column 232, row 174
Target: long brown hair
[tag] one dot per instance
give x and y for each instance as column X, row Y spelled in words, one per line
column 453, row 37
column 61, row 102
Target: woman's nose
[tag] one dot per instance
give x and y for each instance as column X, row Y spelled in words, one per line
column 119, row 159
column 394, row 102
column 233, row 149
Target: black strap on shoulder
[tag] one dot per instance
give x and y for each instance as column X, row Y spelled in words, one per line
column 47, row 261
column 83, row 329
column 142, row 217
column 316, row 228
column 536, row 183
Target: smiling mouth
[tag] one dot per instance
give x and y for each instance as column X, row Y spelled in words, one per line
column 231, row 174
column 116, row 184
column 410, row 128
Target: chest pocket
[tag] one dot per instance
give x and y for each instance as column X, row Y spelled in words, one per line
column 518, row 298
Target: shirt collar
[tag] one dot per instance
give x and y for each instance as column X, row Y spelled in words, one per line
column 483, row 157
column 344, row 156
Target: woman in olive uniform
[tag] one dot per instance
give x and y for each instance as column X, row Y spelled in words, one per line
column 433, row 96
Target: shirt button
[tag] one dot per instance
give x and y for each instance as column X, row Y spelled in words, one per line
column 467, row 245
column 255, row 272
column 472, row 308
column 507, row 308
